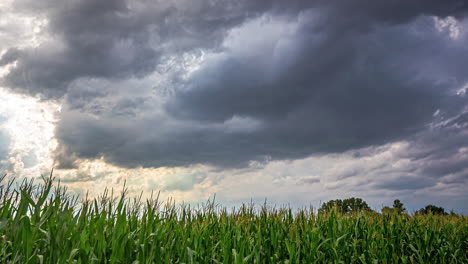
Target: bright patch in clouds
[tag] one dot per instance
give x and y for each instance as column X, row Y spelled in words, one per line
column 29, row 126
column 449, row 24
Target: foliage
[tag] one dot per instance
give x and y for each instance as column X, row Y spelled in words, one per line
column 432, row 209
column 350, row 205
column 43, row 224
column 398, row 208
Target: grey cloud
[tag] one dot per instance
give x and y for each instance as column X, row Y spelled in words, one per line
column 444, row 151
column 184, row 182
column 82, row 177
column 155, row 142
column 406, row 183
column 340, row 76
column 308, row 180
column 128, row 107
column 432, row 157
column 118, row 39
column 9, row 56
column 30, row 160
column 366, row 12
column 4, row 140
column 4, row 144
column 335, row 93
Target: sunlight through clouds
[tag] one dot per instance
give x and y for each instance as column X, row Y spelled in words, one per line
column 28, row 126
column 29, row 123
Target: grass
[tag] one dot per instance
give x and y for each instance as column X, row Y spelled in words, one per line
column 42, row 223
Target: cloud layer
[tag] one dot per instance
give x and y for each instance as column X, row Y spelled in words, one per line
column 308, row 84
column 231, row 84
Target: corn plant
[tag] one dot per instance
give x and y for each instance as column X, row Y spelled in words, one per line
column 43, row 223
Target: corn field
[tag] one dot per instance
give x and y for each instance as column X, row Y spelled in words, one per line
column 42, row 223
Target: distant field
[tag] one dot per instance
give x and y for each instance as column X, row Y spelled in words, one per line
column 43, row 224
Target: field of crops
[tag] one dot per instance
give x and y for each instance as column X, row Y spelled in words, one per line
column 42, row 224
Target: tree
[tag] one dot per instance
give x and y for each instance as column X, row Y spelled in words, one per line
column 432, row 209
column 398, row 206
column 452, row 213
column 345, row 206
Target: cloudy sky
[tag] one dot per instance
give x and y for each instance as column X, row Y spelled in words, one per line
column 296, row 101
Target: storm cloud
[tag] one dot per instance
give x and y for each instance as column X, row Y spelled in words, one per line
column 245, row 81
column 118, row 39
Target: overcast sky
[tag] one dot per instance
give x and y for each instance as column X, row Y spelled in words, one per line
column 296, row 101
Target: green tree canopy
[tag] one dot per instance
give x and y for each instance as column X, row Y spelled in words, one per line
column 432, row 209
column 346, row 206
column 398, row 206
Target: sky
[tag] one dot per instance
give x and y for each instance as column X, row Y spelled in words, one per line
column 296, row 102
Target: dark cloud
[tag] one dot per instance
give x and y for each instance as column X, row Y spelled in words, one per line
column 9, row 56
column 281, row 79
column 444, row 151
column 431, row 158
column 364, row 14
column 407, row 183
column 118, row 39
column 301, row 112
column 333, row 94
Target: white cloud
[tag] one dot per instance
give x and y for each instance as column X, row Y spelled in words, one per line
column 462, row 90
column 18, row 29
column 450, row 25
column 30, row 126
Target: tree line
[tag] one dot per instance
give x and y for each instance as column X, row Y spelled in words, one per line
column 353, row 205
